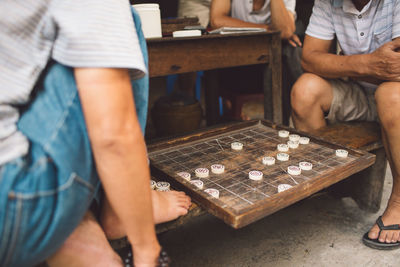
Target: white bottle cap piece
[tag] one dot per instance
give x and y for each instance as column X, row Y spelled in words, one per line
column 199, row 184
column 255, row 175
column 202, row 172
column 283, row 187
column 268, row 161
column 217, row 168
column 294, row 137
column 162, row 186
column 283, row 133
column 294, row 170
column 186, row 33
column 283, row 147
column 304, row 140
column 237, row 146
column 305, row 166
column 185, row 175
column 342, row 153
column 293, row 144
column 282, row 156
column 153, row 184
column 212, row 192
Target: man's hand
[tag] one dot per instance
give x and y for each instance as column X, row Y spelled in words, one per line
column 294, row 41
column 384, row 63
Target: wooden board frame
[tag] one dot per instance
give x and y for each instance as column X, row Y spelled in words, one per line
column 273, row 203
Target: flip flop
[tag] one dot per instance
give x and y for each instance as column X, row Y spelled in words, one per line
column 375, row 243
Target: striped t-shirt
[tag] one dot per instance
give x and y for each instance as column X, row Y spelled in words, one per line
column 243, row 10
column 358, row 32
column 76, row 33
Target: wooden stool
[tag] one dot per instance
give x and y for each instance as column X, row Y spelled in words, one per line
column 365, row 187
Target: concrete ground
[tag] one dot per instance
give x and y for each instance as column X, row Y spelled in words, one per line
column 318, row 231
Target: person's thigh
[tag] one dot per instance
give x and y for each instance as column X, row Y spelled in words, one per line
column 351, row 103
column 45, row 194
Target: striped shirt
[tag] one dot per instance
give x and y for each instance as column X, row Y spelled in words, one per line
column 243, row 10
column 76, row 33
column 358, row 32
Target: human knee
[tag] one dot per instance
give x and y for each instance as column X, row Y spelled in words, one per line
column 306, row 92
column 387, row 98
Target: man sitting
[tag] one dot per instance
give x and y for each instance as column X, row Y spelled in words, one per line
column 366, row 32
column 270, row 15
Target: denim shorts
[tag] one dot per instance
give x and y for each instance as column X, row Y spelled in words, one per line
column 45, row 194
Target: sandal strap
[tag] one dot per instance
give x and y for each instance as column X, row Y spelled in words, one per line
column 381, row 226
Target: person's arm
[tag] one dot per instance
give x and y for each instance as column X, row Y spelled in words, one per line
column 120, row 154
column 282, row 19
column 220, row 16
column 382, row 64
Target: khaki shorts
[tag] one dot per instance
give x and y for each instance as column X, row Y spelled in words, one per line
column 351, row 102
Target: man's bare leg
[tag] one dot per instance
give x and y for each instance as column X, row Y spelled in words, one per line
column 388, row 105
column 86, row 246
column 167, row 206
column 311, row 97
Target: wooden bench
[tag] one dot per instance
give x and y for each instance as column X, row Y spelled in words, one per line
column 365, row 187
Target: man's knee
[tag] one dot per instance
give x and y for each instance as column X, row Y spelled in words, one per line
column 306, row 92
column 387, row 98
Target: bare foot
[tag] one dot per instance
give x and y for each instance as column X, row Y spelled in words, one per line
column 86, row 246
column 389, row 217
column 167, row 206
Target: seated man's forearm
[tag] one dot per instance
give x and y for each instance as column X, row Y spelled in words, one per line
column 335, row 66
column 227, row 21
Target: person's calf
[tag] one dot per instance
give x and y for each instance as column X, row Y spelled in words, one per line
column 86, row 246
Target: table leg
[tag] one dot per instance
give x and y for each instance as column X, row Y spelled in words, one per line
column 211, row 96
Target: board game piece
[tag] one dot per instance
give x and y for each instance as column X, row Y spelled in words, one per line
column 283, row 133
column 217, row 168
column 282, row 157
column 255, row 175
column 184, row 175
column 341, row 153
column 162, row 186
column 305, row 166
column 153, row 184
column 268, row 161
column 294, row 170
column 283, row 187
column 294, row 137
column 293, row 144
column 199, row 184
column 212, row 192
column 283, row 147
column 304, row 140
column 237, row 146
column 202, row 172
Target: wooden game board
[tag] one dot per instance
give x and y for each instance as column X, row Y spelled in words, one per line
column 243, row 201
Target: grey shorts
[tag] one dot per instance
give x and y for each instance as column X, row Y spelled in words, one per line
column 351, row 102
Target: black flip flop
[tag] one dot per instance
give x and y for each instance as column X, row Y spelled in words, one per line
column 124, row 249
column 375, row 243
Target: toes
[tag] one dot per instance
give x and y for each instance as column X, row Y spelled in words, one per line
column 182, row 211
column 382, row 237
column 389, row 237
column 374, row 232
column 395, row 236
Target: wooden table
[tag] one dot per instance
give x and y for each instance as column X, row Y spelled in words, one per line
column 207, row 53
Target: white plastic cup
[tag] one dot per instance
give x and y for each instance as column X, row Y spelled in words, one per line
column 151, row 19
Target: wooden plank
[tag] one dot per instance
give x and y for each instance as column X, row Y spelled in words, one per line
column 238, row 205
column 276, row 79
column 179, row 55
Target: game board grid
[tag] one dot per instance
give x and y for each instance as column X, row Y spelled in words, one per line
column 237, row 191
